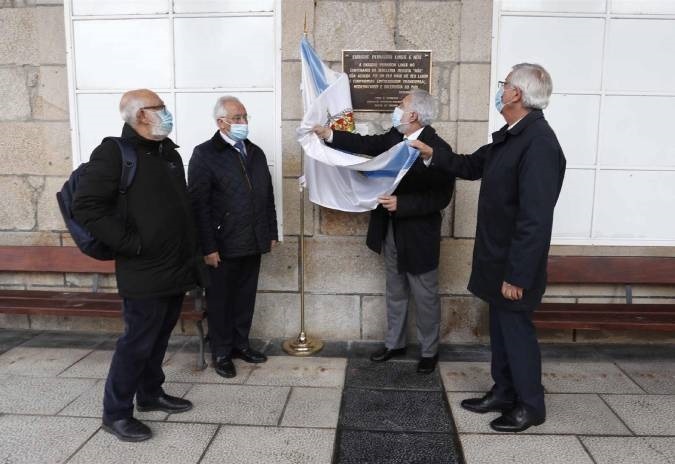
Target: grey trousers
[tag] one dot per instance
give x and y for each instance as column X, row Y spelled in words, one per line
column 424, row 289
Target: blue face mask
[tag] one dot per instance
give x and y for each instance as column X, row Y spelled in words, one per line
column 499, row 104
column 396, row 117
column 165, row 124
column 238, row 132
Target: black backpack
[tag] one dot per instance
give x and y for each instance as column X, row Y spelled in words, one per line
column 87, row 244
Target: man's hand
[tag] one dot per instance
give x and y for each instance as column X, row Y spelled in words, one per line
column 212, row 259
column 388, row 201
column 511, row 292
column 323, row 132
column 273, row 243
column 425, row 150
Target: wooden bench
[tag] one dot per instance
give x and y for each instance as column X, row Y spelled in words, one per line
column 55, row 259
column 612, row 270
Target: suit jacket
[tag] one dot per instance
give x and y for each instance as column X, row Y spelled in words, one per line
column 522, row 173
column 421, row 196
column 232, row 199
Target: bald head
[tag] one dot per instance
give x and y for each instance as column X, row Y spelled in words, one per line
column 134, row 100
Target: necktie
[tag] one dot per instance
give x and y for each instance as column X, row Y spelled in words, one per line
column 240, row 146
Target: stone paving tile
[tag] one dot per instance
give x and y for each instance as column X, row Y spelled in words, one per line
column 39, row 362
column 171, row 443
column 395, row 411
column 11, row 338
column 182, row 367
column 645, row 414
column 638, row 352
column 397, row 375
column 235, row 404
column 37, row 395
column 464, row 353
column 523, row 449
column 578, row 414
column 571, row 352
column 273, row 445
column 40, row 439
column 312, row 407
column 363, row 446
column 466, row 376
column 90, row 403
column 299, row 372
column 653, row 376
column 631, row 450
column 93, row 366
column 587, row 377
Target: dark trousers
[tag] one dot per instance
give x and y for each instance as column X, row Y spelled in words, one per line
column 136, row 367
column 516, row 359
column 230, row 300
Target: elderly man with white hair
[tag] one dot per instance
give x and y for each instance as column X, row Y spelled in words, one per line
column 232, row 198
column 151, row 229
column 407, row 225
column 522, row 173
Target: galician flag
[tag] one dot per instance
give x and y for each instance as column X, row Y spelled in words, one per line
column 336, row 179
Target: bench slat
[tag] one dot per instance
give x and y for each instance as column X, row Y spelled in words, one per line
column 652, row 270
column 51, row 259
column 605, row 308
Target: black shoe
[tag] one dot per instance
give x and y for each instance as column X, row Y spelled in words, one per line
column 225, row 367
column 385, row 354
column 166, row 403
column 249, row 355
column 516, row 420
column 427, row 364
column 128, row 429
column 487, row 403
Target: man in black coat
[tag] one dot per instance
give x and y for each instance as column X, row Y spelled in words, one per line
column 407, row 225
column 233, row 200
column 153, row 235
column 522, row 172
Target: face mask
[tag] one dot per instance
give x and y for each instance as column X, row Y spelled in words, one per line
column 165, row 124
column 238, row 132
column 396, row 116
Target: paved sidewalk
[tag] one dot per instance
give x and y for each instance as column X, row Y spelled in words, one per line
column 606, row 404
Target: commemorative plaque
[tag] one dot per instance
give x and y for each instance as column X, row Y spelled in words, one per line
column 379, row 79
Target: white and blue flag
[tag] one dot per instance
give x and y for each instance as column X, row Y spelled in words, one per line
column 336, row 179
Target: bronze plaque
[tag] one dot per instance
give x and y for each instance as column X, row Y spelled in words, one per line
column 380, row 79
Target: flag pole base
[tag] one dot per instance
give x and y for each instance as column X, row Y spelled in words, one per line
column 302, row 345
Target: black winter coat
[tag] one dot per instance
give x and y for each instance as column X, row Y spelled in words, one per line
column 522, row 173
column 421, row 196
column 232, row 199
column 156, row 246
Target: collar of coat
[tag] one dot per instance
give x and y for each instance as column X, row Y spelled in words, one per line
column 529, row 119
column 130, row 133
column 222, row 145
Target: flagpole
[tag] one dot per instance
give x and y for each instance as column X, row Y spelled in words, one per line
column 302, row 345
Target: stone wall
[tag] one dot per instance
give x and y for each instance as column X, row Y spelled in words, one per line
column 344, row 281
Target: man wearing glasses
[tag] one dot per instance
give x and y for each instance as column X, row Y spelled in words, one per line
column 232, row 198
column 522, row 173
column 151, row 229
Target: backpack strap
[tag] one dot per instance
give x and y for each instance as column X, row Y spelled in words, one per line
column 129, row 162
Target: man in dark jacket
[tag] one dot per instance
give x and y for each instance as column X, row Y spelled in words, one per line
column 232, row 198
column 151, row 230
column 407, row 224
column 522, row 172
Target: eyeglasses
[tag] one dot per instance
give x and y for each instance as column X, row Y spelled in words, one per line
column 238, row 118
column 503, row 84
column 155, row 107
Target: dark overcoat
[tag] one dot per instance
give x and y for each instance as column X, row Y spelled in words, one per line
column 522, row 173
column 421, row 196
column 232, row 199
column 152, row 229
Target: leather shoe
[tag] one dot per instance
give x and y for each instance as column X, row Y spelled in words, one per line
column 516, row 420
column 385, row 354
column 249, row 355
column 166, row 403
column 127, row 429
column 427, row 364
column 487, row 403
column 225, row 367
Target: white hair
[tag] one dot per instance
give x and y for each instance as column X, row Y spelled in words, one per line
column 219, row 110
column 422, row 103
column 129, row 109
column 535, row 84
